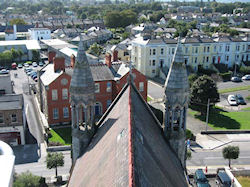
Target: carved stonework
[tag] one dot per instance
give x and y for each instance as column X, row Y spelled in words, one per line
column 176, row 104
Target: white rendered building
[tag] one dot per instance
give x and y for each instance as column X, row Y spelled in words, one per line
column 39, row 34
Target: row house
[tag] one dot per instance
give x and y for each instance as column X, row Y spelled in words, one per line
column 11, row 113
column 54, row 82
column 150, row 55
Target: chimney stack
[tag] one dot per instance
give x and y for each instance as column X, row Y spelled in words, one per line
column 59, row 63
column 51, row 56
column 115, row 56
column 108, row 59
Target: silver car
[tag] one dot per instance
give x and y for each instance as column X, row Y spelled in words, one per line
column 232, row 100
column 246, row 77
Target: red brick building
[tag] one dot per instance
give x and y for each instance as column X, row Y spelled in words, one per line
column 109, row 79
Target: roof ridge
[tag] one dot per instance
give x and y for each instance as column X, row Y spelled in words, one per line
column 130, row 143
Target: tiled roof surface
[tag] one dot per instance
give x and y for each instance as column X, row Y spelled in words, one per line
column 106, row 160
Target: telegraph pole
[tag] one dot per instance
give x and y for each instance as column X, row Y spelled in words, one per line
column 208, row 102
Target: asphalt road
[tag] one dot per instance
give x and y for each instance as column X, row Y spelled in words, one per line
column 21, row 87
column 229, row 84
column 155, row 90
column 214, row 158
column 28, row 158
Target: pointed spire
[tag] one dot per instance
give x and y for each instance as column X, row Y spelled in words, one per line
column 81, row 55
column 178, row 56
column 82, row 82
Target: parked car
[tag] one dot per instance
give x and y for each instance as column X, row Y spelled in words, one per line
column 236, row 79
column 200, row 178
column 26, row 70
column 232, row 100
column 19, row 65
column 36, row 79
column 4, row 71
column 26, row 65
column 40, row 64
column 222, row 179
column 14, row 65
column 240, row 100
column 246, row 77
column 33, row 75
column 34, row 64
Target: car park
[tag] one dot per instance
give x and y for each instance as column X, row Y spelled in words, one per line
column 4, row 71
column 34, row 64
column 222, row 179
column 232, row 100
column 200, row 178
column 19, row 65
column 240, row 100
column 40, row 64
column 26, row 65
column 246, row 77
column 236, row 79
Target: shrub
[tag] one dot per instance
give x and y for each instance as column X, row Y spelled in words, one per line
column 222, row 68
column 226, row 76
column 245, row 70
column 189, row 135
column 203, row 71
column 54, row 144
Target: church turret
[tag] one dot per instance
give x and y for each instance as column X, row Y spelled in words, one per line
column 176, row 103
column 82, row 100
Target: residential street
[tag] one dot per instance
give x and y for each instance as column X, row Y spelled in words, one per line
column 29, row 158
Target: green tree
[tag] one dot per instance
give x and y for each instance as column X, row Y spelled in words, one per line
column 188, row 154
column 54, row 160
column 27, row 179
column 35, row 55
column 20, row 54
column 17, row 21
column 14, row 53
column 191, row 78
column 231, row 152
column 125, row 35
column 83, row 15
column 95, row 49
column 6, row 58
column 203, row 88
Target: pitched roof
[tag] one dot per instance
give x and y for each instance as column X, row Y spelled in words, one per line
column 128, row 149
column 49, row 75
column 101, row 72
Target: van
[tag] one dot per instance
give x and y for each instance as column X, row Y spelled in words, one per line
column 222, row 179
column 200, row 179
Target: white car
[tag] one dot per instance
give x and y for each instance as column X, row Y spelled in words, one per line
column 34, row 64
column 246, row 77
column 232, row 100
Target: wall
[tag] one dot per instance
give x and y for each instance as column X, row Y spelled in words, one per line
column 5, row 84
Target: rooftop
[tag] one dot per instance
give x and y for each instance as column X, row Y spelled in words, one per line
column 11, row 102
column 30, row 44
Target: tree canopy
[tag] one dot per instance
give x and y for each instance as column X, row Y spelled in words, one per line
column 203, row 88
column 54, row 160
column 115, row 19
column 231, row 152
column 27, row 179
column 17, row 21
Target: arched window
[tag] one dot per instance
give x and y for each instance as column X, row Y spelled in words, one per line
column 98, row 108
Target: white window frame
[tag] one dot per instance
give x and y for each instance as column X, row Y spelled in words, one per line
column 141, row 86
column 65, row 94
column 55, row 113
column 54, row 95
column 65, row 111
column 97, row 87
column 109, row 87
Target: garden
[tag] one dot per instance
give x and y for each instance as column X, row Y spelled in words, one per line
column 59, row 136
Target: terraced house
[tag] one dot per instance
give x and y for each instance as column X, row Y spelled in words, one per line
column 152, row 56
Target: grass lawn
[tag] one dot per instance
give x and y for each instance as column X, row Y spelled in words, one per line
column 234, row 89
column 222, row 120
column 244, row 181
column 248, row 97
column 62, row 135
column 248, row 108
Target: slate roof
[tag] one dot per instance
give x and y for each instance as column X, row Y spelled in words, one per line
column 101, row 72
column 11, row 102
column 49, row 75
column 128, row 149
